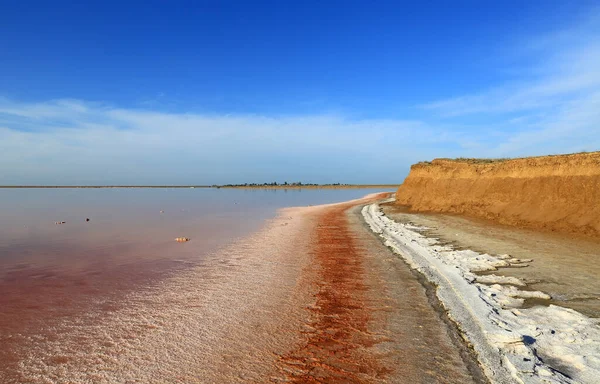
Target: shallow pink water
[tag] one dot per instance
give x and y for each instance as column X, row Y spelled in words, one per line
column 52, row 274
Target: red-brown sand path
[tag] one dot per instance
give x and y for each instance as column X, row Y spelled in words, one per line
column 372, row 321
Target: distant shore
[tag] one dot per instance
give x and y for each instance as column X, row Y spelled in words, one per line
column 326, row 186
column 103, row 186
column 312, row 186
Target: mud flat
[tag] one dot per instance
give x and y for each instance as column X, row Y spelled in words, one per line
column 552, row 193
column 311, row 297
column 514, row 342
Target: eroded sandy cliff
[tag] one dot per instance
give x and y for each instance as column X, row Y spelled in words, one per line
column 556, row 193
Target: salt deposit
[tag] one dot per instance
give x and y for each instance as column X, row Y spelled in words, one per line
column 495, row 279
column 527, row 345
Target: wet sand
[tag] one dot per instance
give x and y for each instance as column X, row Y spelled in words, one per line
column 564, row 266
column 313, row 296
column 372, row 322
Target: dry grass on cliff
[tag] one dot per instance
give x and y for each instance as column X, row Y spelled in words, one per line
column 470, row 160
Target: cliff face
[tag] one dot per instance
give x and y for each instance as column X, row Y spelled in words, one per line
column 557, row 193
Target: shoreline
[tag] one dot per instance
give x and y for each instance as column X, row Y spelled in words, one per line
column 312, row 295
column 531, row 345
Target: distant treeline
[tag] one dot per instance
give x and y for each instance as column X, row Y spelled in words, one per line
column 284, row 184
column 274, row 184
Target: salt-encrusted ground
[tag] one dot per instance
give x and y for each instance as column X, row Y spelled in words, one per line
column 543, row 344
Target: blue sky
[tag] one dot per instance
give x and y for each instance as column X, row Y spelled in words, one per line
column 177, row 92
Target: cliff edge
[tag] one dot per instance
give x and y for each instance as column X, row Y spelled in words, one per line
column 557, row 193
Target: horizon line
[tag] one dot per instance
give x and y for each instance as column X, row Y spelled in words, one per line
column 197, row 186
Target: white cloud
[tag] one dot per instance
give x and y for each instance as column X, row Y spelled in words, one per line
column 77, row 142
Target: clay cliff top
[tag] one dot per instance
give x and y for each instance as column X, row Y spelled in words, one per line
column 578, row 164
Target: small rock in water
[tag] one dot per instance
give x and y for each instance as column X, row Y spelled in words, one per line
column 181, row 239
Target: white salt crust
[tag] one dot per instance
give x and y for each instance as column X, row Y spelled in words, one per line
column 543, row 344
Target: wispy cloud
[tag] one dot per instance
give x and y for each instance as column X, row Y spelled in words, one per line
column 84, row 142
column 555, row 109
column 574, row 77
